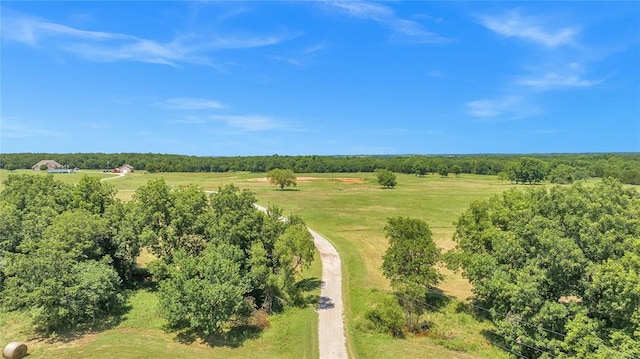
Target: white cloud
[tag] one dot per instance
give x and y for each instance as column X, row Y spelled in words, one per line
column 530, row 28
column 504, row 108
column 553, row 80
column 571, row 75
column 407, row 29
column 187, row 103
column 111, row 47
column 249, row 122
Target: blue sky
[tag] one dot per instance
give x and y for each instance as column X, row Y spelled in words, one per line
column 320, row 77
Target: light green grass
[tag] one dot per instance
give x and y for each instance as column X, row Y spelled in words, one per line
column 353, row 215
column 140, row 334
column 350, row 210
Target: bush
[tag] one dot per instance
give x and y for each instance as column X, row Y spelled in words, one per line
column 386, row 178
column 387, row 317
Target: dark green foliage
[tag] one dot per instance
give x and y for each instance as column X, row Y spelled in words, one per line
column 387, row 317
column 557, row 269
column 619, row 165
column 562, row 174
column 443, row 170
column 386, row 178
column 66, row 250
column 527, row 170
column 220, row 258
column 420, row 168
column 411, row 254
column 58, row 288
column 203, row 292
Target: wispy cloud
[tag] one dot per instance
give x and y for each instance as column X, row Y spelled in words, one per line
column 187, row 103
column 250, row 122
column 571, row 75
column 111, row 47
column 407, row 29
column 513, row 24
column 503, row 108
column 12, row 128
column 301, row 57
column 553, row 80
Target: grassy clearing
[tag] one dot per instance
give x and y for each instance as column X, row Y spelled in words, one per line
column 141, row 335
column 350, row 210
column 352, row 214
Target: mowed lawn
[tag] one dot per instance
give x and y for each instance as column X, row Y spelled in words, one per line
column 349, row 209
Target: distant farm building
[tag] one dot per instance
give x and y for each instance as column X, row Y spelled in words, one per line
column 123, row 169
column 52, row 166
column 49, row 164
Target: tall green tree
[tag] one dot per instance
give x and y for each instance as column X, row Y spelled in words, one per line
column 282, row 177
column 409, row 263
column 443, row 170
column 203, row 292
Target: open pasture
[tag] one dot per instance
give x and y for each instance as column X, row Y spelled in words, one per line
column 350, row 209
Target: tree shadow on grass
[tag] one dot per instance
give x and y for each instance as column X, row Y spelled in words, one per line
column 233, row 337
column 287, row 190
column 436, row 299
column 494, row 338
column 308, row 285
column 101, row 324
column 476, row 308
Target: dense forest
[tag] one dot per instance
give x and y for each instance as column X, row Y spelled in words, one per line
column 558, row 168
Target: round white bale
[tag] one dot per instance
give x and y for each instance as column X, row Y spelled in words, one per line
column 14, row 350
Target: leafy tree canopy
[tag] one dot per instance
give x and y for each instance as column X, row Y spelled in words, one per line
column 409, row 264
column 386, row 178
column 282, row 178
column 558, row 269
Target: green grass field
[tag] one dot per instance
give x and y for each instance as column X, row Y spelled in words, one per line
column 351, row 211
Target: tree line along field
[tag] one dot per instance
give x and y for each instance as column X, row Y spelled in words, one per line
column 558, row 168
column 351, row 210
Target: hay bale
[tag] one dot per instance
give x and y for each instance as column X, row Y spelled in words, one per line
column 14, row 350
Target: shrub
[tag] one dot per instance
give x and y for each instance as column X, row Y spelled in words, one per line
column 387, row 317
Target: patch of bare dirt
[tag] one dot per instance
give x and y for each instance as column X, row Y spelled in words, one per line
column 351, row 180
column 308, row 179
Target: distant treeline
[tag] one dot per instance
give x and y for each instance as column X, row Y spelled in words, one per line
column 623, row 166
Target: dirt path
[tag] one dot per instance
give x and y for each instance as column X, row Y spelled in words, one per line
column 331, row 339
column 120, row 175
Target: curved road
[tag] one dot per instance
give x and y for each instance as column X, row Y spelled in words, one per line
column 331, row 339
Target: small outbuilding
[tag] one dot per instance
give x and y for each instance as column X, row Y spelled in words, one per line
column 49, row 164
column 123, row 169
